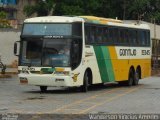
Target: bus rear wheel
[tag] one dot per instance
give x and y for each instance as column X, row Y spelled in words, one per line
column 130, row 78
column 136, row 78
column 43, row 88
column 85, row 85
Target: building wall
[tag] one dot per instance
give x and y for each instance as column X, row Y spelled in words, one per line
column 14, row 9
column 7, row 39
column 6, row 2
column 9, row 7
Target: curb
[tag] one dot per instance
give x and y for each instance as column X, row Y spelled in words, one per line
column 5, row 76
column 11, row 73
column 8, row 74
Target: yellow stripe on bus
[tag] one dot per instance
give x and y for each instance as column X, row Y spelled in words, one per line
column 121, row 66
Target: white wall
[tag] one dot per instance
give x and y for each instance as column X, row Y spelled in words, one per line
column 7, row 39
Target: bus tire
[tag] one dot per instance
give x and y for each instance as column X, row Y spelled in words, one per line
column 136, row 78
column 85, row 82
column 43, row 88
column 130, row 78
column 122, row 83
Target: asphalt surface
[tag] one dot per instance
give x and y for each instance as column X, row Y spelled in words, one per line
column 19, row 99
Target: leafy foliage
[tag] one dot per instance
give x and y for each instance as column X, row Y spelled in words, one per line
column 42, row 8
column 3, row 22
column 3, row 15
column 146, row 10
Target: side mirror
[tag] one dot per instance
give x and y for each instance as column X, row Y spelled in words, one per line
column 16, row 48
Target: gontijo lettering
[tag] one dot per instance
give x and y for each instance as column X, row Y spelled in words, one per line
column 127, row 52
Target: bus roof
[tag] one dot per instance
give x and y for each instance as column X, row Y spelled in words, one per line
column 100, row 19
column 88, row 19
column 113, row 22
column 52, row 19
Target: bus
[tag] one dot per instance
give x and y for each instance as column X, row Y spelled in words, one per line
column 100, row 50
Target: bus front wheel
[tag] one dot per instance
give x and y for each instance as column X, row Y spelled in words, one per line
column 43, row 88
column 85, row 82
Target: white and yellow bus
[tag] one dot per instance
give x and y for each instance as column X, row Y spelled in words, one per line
column 99, row 50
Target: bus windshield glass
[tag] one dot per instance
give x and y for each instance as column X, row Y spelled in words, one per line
column 56, row 53
column 51, row 52
column 37, row 49
column 47, row 29
column 31, row 52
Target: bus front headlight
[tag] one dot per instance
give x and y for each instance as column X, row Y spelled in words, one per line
column 62, row 72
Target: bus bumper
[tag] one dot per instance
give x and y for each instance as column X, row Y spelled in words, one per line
column 46, row 80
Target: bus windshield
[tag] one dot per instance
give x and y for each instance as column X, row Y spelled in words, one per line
column 47, row 29
column 48, row 52
column 37, row 49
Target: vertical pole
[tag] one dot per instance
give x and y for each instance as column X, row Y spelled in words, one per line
column 155, row 56
column 156, row 45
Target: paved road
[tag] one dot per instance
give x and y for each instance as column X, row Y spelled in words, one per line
column 144, row 98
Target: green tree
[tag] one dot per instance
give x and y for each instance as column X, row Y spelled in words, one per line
column 138, row 9
column 146, row 10
column 68, row 7
column 154, row 11
column 3, row 15
column 111, row 9
column 78, row 7
column 3, row 22
column 123, row 9
column 42, row 8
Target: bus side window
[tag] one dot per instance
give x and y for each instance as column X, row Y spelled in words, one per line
column 126, row 37
column 115, row 35
column 99, row 34
column 134, row 37
column 110, row 36
column 129, row 37
column 148, row 38
column 92, row 34
column 143, row 38
column 130, row 34
column 145, row 34
column 121, row 36
column 105, row 37
column 139, row 37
